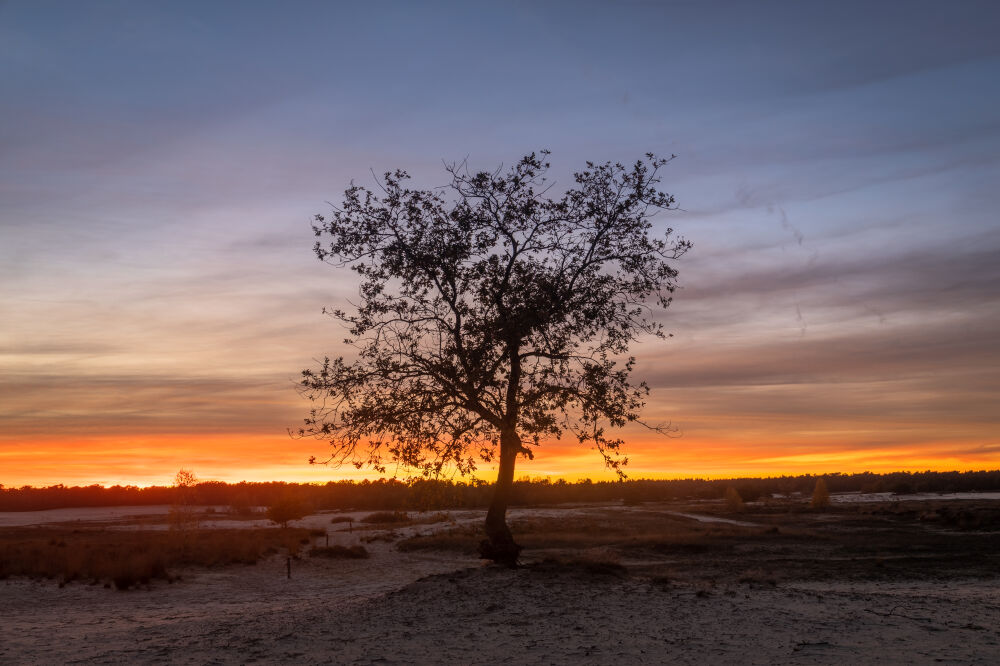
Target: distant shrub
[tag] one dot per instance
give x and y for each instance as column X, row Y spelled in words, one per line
column 341, row 519
column 286, row 510
column 821, row 496
column 382, row 517
column 733, row 500
column 127, row 558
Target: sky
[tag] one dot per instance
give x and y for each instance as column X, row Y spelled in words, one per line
column 837, row 168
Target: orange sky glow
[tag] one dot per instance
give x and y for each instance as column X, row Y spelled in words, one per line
column 146, row 461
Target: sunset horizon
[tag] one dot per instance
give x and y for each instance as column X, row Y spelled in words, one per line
column 646, row 461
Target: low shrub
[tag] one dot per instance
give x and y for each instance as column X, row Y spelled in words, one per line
column 821, row 496
column 126, row 558
column 286, row 510
column 466, row 541
column 733, row 500
column 384, row 517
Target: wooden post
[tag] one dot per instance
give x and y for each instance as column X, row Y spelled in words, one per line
column 327, row 539
column 288, row 564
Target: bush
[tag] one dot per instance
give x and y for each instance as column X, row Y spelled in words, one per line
column 733, row 500
column 821, row 496
column 128, row 558
column 286, row 510
column 382, row 517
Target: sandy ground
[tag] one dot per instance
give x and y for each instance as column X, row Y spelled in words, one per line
column 441, row 607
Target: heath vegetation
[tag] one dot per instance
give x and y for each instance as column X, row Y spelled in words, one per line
column 431, row 494
column 127, row 558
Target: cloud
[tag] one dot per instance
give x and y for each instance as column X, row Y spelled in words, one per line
column 45, row 406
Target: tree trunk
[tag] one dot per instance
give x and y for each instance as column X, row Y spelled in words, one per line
column 500, row 546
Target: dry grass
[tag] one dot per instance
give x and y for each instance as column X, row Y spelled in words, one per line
column 396, row 519
column 386, row 517
column 438, row 517
column 461, row 539
column 127, row 558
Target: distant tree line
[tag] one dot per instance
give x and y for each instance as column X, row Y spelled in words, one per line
column 427, row 494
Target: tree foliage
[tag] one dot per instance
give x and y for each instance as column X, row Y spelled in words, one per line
column 491, row 307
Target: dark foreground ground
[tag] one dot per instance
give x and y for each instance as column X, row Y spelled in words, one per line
column 913, row 582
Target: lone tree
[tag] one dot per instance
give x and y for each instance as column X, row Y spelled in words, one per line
column 492, row 317
column 285, row 510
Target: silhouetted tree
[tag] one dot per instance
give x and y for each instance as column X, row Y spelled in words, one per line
column 183, row 514
column 286, row 510
column 491, row 317
column 185, row 478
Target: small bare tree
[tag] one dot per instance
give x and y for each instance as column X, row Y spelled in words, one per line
column 492, row 317
column 183, row 514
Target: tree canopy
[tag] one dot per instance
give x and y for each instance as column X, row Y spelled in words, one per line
column 492, row 316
